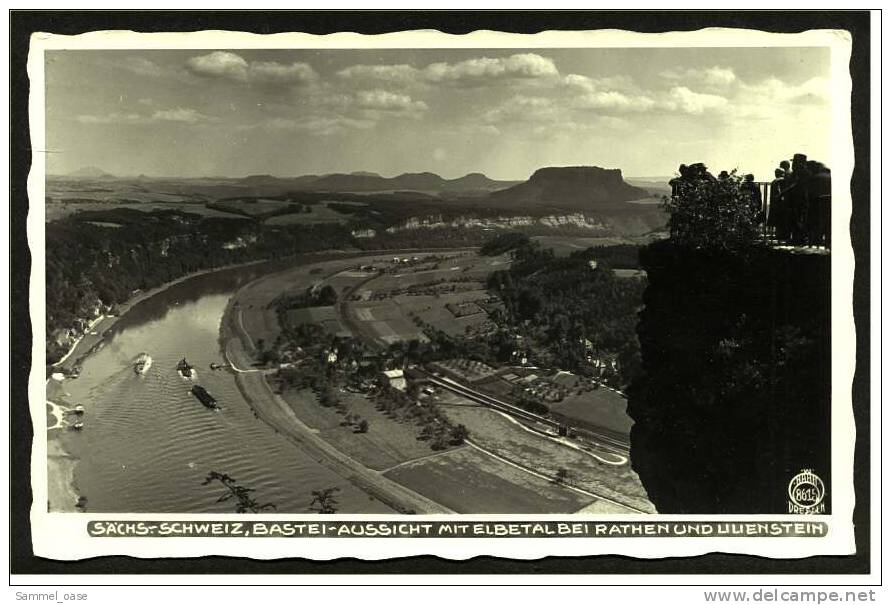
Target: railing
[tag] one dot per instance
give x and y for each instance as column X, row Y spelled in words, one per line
column 765, row 232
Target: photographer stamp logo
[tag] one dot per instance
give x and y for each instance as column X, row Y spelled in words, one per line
column 806, row 492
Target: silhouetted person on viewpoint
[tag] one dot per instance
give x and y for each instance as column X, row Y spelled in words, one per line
column 778, row 218
column 784, row 166
column 676, row 182
column 699, row 171
column 752, row 193
column 798, row 199
column 819, row 204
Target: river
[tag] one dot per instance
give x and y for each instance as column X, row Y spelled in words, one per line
column 147, row 443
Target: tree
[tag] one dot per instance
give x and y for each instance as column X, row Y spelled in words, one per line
column 328, row 396
column 323, row 501
column 459, row 434
column 561, row 476
column 362, row 426
column 439, row 438
column 242, row 495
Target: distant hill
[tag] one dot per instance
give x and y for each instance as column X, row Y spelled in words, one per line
column 477, row 181
column 410, row 181
column 577, row 187
column 655, row 184
column 90, row 172
column 267, row 180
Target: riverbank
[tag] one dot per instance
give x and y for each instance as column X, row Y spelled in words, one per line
column 61, row 495
column 100, row 328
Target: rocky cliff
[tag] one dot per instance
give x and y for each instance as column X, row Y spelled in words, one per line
column 734, row 399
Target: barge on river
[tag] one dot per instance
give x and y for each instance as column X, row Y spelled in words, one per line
column 204, row 397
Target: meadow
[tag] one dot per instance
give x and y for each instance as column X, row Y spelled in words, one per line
column 600, row 471
column 469, row 481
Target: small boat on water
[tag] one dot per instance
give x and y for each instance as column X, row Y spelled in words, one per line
column 216, row 366
column 204, row 397
column 78, row 410
column 77, row 425
column 142, row 364
column 186, row 370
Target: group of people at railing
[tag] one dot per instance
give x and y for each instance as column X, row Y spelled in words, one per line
column 794, row 208
column 800, row 205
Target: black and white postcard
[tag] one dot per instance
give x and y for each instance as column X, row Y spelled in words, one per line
column 374, row 296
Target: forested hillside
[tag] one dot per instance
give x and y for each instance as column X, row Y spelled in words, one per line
column 93, row 264
column 574, row 309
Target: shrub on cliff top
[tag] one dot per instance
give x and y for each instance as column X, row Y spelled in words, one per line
column 707, row 212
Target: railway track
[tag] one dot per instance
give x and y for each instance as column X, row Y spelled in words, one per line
column 492, row 402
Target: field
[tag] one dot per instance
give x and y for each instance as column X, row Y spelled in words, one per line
column 565, row 245
column 386, row 321
column 56, row 210
column 324, row 316
column 446, row 292
column 318, row 214
column 600, row 408
column 65, row 197
column 388, row 442
column 254, row 207
column 261, row 322
column 468, row 481
column 600, row 471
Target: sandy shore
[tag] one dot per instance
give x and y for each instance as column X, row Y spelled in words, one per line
column 62, row 494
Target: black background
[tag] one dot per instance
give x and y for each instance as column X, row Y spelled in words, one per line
column 24, row 23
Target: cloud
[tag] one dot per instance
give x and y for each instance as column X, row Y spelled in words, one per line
column 111, row 118
column 620, row 94
column 219, row 64
column 470, row 72
column 769, row 98
column 616, row 101
column 684, row 100
column 521, row 108
column 712, row 77
column 382, row 100
column 544, row 117
column 775, row 91
column 278, row 73
column 386, row 73
column 526, row 65
column 621, row 83
column 317, row 125
column 489, row 130
column 815, row 90
column 180, row 114
column 376, row 104
column 230, row 66
column 142, row 66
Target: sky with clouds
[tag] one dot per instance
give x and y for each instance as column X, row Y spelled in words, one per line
column 504, row 112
